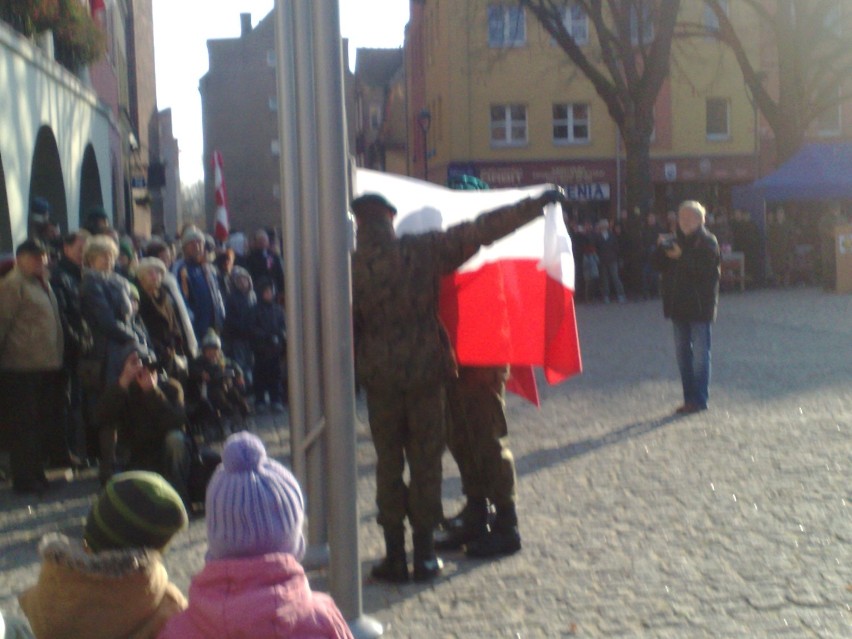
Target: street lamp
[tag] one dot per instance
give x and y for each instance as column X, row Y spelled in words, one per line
column 424, row 119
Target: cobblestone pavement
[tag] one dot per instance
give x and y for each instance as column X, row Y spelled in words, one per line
column 731, row 523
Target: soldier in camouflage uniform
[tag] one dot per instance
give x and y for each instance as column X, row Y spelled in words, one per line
column 403, row 359
column 478, row 440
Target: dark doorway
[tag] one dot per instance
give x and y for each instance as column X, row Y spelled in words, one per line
column 90, row 184
column 6, row 241
column 46, row 180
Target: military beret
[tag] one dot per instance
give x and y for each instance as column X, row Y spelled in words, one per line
column 363, row 204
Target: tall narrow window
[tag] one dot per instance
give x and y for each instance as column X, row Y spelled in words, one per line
column 506, row 26
column 576, row 22
column 718, row 119
column 571, row 123
column 641, row 21
column 508, row 125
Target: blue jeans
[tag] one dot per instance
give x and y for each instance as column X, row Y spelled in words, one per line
column 692, row 347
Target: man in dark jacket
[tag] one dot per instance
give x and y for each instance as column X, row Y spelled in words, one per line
column 690, row 265
column 403, row 359
column 150, row 425
column 65, row 281
column 263, row 262
column 269, row 342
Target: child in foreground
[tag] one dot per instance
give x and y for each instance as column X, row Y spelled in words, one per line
column 112, row 585
column 252, row 585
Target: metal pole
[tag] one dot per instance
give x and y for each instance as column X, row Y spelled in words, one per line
column 338, row 370
column 309, row 208
column 286, row 69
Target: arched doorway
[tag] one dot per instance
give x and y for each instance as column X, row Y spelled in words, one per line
column 90, row 184
column 46, row 180
column 7, row 244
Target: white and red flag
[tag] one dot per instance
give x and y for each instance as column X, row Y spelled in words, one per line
column 222, row 228
column 512, row 302
column 97, row 9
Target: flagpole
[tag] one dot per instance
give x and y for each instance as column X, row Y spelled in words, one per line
column 338, row 368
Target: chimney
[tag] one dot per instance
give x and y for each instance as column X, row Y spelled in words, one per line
column 245, row 24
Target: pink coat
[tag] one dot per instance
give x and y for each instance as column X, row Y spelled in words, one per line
column 263, row 597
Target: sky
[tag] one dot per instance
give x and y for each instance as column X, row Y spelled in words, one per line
column 181, row 31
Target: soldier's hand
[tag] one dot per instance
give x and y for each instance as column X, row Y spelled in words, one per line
column 553, row 196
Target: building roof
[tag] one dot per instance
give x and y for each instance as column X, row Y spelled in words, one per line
column 376, row 67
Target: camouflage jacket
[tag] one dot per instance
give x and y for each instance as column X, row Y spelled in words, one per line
column 399, row 340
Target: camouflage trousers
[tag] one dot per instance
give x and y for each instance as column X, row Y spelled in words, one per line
column 408, row 425
column 477, row 433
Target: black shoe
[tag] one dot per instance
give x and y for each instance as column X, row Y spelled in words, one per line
column 497, row 543
column 455, row 538
column 393, row 571
column 428, row 569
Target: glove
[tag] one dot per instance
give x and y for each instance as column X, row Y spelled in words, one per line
column 553, row 196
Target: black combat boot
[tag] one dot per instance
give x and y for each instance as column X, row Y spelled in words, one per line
column 471, row 523
column 503, row 538
column 393, row 568
column 427, row 565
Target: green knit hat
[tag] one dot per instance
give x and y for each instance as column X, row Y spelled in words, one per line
column 136, row 509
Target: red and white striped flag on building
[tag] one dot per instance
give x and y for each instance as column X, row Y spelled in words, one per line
column 512, row 302
column 222, row 228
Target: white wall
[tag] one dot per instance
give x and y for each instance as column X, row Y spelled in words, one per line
column 34, row 92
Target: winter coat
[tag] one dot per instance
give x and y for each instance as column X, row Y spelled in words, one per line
column 162, row 319
column 116, row 594
column 399, row 340
column 106, row 307
column 690, row 284
column 269, row 333
column 31, row 336
column 239, row 309
column 205, row 305
column 266, row 597
column 266, row 264
column 65, row 282
column 142, row 420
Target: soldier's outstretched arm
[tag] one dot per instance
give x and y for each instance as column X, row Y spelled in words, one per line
column 461, row 241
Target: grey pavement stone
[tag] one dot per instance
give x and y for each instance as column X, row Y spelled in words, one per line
column 730, row 523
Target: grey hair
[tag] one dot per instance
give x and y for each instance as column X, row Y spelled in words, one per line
column 99, row 245
column 696, row 207
column 150, row 264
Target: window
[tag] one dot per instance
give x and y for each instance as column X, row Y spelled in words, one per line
column 508, row 125
column 711, row 21
column 270, row 58
column 506, row 26
column 273, row 104
column 275, row 148
column 645, row 24
column 571, row 123
column 717, row 119
column 576, row 22
column 375, row 117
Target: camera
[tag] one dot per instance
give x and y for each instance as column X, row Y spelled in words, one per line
column 668, row 242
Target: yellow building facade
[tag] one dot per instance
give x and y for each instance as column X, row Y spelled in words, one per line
column 506, row 104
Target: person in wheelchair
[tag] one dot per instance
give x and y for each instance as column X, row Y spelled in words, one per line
column 216, row 388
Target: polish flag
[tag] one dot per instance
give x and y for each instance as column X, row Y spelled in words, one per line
column 512, row 302
column 222, row 228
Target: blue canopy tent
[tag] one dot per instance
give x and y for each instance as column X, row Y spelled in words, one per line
column 819, row 171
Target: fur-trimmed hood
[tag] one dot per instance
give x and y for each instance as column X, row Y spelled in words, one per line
column 112, row 594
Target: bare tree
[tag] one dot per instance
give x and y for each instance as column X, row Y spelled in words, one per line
column 627, row 69
column 813, row 49
column 192, row 204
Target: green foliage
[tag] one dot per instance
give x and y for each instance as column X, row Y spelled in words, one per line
column 78, row 41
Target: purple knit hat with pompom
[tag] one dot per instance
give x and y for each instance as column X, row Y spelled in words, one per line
column 254, row 505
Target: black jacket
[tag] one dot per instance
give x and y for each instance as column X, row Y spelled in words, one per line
column 65, row 282
column 269, row 332
column 690, row 284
